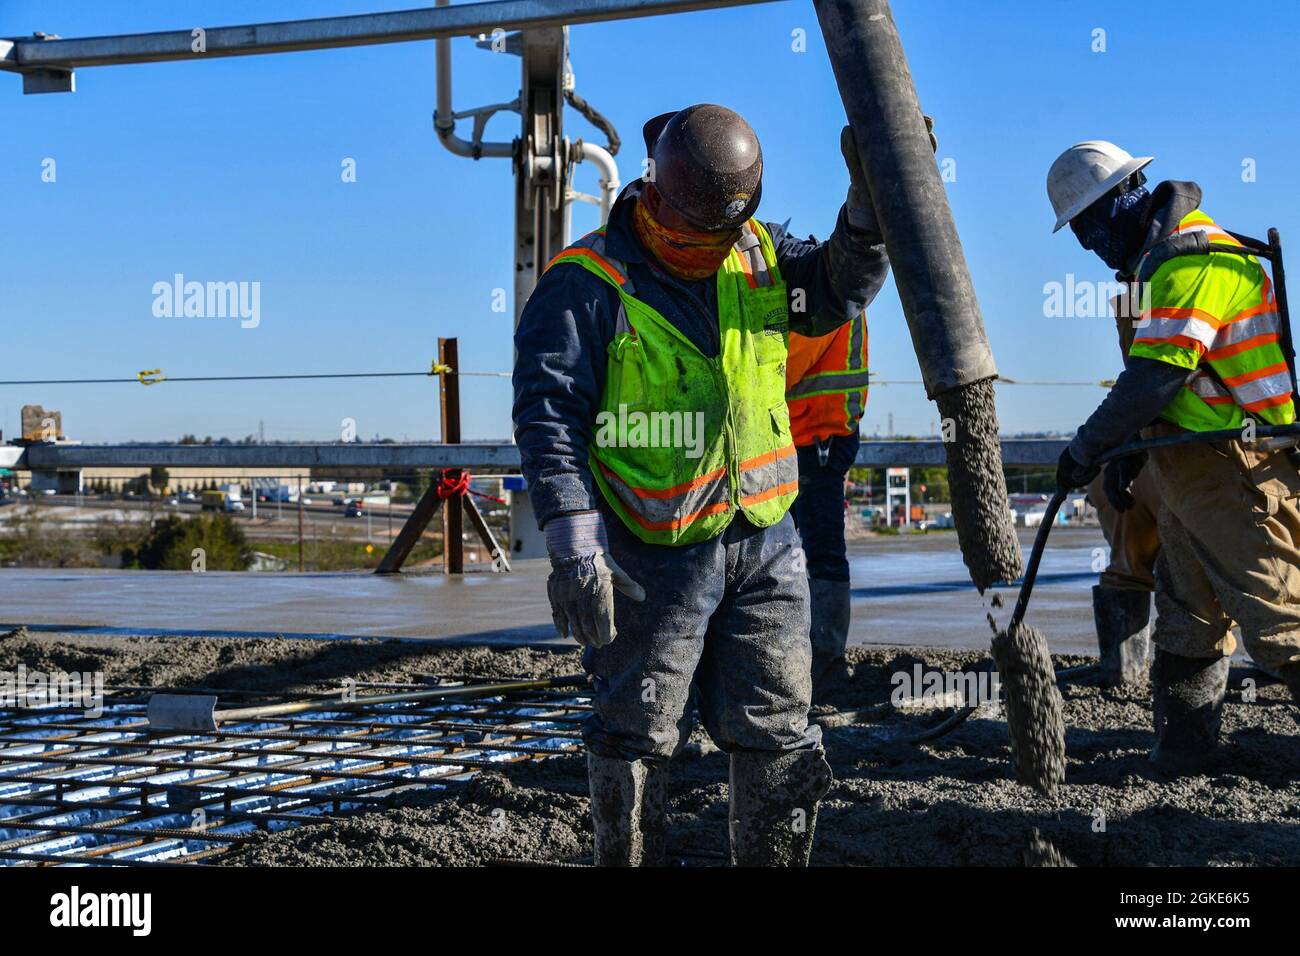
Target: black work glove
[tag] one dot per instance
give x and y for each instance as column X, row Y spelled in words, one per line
column 1120, row 474
column 1070, row 474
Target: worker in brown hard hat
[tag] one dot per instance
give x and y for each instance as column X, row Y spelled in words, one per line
column 674, row 558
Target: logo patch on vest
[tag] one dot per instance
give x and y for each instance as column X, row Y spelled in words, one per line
column 776, row 322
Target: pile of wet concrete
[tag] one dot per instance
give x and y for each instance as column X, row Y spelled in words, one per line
column 949, row 802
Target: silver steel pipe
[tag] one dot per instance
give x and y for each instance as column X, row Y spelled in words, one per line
column 444, row 117
column 325, row 33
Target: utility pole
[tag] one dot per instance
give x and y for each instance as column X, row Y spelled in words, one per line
column 300, row 564
column 453, row 550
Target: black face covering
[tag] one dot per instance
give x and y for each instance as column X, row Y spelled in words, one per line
column 1113, row 227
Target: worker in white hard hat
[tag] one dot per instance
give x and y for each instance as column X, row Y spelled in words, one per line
column 1205, row 353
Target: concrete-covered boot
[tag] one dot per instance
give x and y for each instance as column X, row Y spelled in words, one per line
column 830, row 626
column 1187, row 703
column 774, row 799
column 628, row 805
column 1290, row 674
column 1123, row 634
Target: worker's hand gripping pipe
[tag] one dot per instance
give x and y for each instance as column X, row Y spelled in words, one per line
column 930, row 271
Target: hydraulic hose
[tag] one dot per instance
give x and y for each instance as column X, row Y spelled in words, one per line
column 958, row 717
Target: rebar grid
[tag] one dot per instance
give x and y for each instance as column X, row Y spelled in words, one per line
column 105, row 790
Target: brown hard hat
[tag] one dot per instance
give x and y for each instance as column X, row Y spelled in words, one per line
column 707, row 165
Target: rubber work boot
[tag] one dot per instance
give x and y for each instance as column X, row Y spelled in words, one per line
column 1187, row 703
column 830, row 627
column 1123, row 634
column 774, row 799
column 628, row 801
column 1290, row 674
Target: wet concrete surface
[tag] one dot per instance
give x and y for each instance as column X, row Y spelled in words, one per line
column 951, row 801
column 910, row 590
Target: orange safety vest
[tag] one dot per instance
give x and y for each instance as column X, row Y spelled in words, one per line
column 826, row 382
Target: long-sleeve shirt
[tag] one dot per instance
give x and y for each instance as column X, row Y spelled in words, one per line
column 569, row 321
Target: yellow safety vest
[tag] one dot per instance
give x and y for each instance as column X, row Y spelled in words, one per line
column 1217, row 314
column 683, row 441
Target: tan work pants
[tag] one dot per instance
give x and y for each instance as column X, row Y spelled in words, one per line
column 1131, row 535
column 1229, row 526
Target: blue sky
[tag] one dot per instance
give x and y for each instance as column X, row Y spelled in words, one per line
column 230, row 170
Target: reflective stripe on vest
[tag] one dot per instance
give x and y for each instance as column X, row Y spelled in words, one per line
column 672, row 509
column 590, row 250
column 681, row 441
column 831, row 396
column 1224, row 323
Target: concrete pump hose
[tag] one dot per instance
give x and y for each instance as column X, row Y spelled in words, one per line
column 933, row 281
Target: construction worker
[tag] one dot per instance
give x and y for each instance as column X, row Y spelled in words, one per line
column 826, row 389
column 1121, row 600
column 1205, row 355
column 655, row 439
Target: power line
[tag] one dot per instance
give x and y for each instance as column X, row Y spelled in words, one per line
column 154, row 378
column 1002, row 380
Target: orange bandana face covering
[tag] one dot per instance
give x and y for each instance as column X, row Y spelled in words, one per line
column 687, row 255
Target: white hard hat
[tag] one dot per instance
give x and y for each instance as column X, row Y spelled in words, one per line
column 1084, row 173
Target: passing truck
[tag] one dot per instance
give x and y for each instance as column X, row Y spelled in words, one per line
column 222, row 501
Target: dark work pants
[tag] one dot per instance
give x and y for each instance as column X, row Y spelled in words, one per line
column 729, row 614
column 819, row 509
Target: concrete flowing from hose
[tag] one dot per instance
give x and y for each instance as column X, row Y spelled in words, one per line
column 1035, row 711
column 978, row 486
column 1040, row 851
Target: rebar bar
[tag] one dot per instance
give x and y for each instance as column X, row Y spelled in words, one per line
column 109, row 790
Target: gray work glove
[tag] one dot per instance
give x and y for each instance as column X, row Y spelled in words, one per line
column 583, row 579
column 862, row 214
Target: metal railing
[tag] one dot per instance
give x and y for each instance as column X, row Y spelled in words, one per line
column 485, row 458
